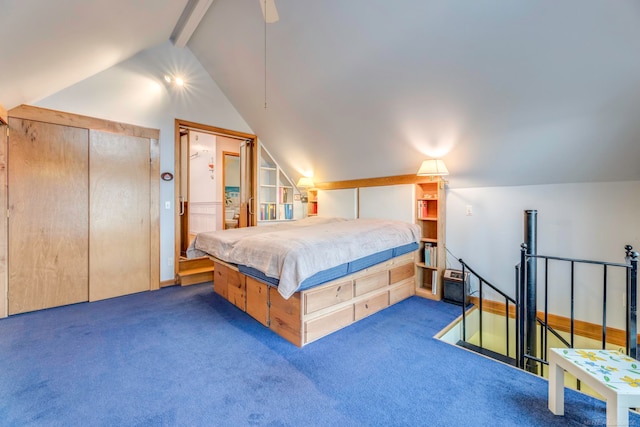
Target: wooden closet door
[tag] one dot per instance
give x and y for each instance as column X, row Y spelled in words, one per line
column 119, row 215
column 48, row 215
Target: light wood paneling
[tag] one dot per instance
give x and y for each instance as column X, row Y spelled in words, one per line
column 68, row 119
column 48, row 208
column 119, row 236
column 4, row 306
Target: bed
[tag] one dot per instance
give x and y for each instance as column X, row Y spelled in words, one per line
column 306, row 279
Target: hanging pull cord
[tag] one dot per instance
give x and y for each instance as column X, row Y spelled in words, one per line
column 265, row 54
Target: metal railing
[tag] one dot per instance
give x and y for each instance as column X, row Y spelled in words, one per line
column 482, row 283
column 525, row 356
column 528, row 354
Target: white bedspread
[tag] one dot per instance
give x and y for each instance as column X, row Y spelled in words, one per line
column 219, row 243
column 294, row 255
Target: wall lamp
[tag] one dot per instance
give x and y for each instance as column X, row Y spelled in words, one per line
column 305, row 182
column 433, row 168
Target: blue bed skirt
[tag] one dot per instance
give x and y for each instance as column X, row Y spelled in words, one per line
column 335, row 272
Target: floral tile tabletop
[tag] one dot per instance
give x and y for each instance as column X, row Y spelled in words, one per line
column 616, row 370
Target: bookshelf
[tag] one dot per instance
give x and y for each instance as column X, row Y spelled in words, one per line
column 275, row 191
column 431, row 257
column 312, row 202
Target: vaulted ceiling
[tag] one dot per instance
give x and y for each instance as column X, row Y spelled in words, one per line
column 507, row 92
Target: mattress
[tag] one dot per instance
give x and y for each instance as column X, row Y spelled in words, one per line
column 220, row 243
column 313, row 255
column 337, row 271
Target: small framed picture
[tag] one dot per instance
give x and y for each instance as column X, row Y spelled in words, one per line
column 296, row 197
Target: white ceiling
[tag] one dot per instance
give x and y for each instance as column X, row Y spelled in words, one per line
column 508, row 92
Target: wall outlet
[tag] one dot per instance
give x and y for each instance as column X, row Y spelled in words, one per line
column 167, row 204
column 469, row 210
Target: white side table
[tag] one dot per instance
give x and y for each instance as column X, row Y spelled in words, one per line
column 612, row 374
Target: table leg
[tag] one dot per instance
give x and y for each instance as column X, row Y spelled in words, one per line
column 617, row 412
column 556, row 389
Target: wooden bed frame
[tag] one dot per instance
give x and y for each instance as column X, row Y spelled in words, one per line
column 316, row 312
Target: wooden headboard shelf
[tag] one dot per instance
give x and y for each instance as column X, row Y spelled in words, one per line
column 373, row 182
column 4, row 117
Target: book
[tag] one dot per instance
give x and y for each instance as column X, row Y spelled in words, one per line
column 422, row 209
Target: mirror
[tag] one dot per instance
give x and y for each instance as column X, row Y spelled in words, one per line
column 231, row 183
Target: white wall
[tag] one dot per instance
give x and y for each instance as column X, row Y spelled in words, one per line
column 134, row 92
column 587, row 221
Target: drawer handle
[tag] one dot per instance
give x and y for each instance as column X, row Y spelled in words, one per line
column 366, row 306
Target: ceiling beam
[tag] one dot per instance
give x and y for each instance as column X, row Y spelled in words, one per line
column 189, row 20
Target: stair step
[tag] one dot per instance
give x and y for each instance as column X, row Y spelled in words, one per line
column 489, row 353
column 193, row 276
column 195, row 263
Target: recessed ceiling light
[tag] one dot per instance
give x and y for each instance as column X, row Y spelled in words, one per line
column 179, row 81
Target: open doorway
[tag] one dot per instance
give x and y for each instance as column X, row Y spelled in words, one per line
column 215, row 182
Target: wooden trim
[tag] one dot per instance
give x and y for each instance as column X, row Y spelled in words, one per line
column 213, row 129
column 373, row 182
column 37, row 114
column 4, row 271
column 4, row 116
column 561, row 323
column 178, row 123
column 154, row 214
column 166, row 283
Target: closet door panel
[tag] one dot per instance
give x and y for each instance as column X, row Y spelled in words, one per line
column 119, row 215
column 48, row 215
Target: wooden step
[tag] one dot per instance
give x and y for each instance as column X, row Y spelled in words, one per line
column 190, row 264
column 193, row 276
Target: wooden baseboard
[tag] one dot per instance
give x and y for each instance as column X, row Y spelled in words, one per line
column 166, row 283
column 560, row 323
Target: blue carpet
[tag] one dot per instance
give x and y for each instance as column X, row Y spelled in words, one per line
column 184, row 356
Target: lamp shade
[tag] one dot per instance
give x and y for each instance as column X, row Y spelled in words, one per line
column 305, row 182
column 433, row 167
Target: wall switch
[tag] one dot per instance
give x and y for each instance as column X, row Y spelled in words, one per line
column 469, row 210
column 167, row 204
column 170, row 261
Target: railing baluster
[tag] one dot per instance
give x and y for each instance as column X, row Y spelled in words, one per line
column 464, row 303
column 546, row 311
column 481, row 299
column 572, row 303
column 604, row 309
column 506, row 316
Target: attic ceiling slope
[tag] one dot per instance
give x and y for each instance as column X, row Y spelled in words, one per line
column 507, row 93
column 51, row 45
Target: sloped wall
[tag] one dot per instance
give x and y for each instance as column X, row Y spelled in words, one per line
column 587, row 221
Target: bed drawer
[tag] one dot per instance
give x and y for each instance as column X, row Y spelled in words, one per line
column 220, row 279
column 371, row 305
column 315, row 300
column 284, row 316
column 401, row 292
column 328, row 323
column 402, row 272
column 258, row 300
column 236, row 289
column 371, row 282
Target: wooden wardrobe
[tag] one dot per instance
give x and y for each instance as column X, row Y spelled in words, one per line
column 82, row 200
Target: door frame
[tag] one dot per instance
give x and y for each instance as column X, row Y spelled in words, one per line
column 180, row 123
